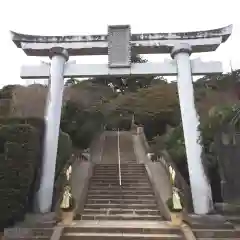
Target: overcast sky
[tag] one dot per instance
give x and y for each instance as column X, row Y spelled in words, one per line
column 58, row 17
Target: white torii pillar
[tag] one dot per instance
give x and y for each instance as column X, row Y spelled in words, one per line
column 201, row 191
column 59, row 57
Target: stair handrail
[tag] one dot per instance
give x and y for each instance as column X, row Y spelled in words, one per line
column 119, row 160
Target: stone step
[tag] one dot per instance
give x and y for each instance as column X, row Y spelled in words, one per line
column 216, row 233
column 127, row 170
column 28, row 238
column 119, row 188
column 122, row 196
column 122, row 206
column 36, row 225
column 122, row 227
column 123, row 175
column 140, row 180
column 119, row 201
column 123, row 178
column 114, row 177
column 218, row 238
column 118, row 192
column 47, row 232
column 123, row 172
column 123, row 182
column 111, row 211
column 122, row 167
column 121, row 230
column 121, row 217
column 211, row 226
column 28, row 233
column 128, row 162
column 233, row 219
column 228, row 209
column 116, row 181
column 118, row 236
column 123, row 185
column 116, row 165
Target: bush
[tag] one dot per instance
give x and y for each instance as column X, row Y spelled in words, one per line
column 17, row 167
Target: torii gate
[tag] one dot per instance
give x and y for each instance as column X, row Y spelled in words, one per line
column 118, row 45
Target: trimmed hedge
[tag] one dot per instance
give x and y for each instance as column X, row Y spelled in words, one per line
column 21, row 145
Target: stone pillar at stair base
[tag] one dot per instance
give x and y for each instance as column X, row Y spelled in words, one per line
column 201, row 191
column 59, row 57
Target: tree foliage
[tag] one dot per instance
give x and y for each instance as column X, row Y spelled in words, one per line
column 80, row 123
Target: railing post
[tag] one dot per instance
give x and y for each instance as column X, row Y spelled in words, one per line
column 119, row 160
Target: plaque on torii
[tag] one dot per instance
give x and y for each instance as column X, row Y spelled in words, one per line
column 119, row 44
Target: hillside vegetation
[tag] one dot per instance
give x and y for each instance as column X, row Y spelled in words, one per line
column 96, row 104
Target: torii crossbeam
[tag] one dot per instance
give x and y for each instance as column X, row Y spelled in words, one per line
column 119, row 44
column 167, row 68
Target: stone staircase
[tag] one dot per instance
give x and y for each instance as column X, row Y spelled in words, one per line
column 117, row 212
column 128, row 211
column 107, row 200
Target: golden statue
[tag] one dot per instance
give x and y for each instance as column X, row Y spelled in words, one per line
column 66, row 197
column 176, row 199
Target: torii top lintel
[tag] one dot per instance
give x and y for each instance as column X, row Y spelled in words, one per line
column 146, row 43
